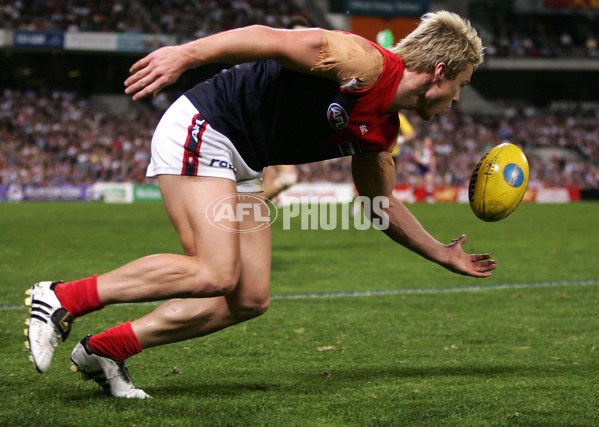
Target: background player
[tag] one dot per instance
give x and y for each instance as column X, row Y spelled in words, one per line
column 406, row 134
column 426, row 166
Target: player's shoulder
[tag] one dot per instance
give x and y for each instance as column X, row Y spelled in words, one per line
column 349, row 40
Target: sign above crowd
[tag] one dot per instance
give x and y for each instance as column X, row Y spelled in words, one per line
column 387, row 8
column 86, row 41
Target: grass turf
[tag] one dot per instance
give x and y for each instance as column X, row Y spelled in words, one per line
column 513, row 356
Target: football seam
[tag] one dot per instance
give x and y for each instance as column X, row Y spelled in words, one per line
column 484, row 202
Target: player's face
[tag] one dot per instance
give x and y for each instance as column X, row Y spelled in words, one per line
column 443, row 94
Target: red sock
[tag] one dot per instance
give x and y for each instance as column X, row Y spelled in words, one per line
column 79, row 297
column 118, row 343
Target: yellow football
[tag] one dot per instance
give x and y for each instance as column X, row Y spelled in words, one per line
column 498, row 182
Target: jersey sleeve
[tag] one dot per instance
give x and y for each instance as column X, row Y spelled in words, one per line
column 351, row 59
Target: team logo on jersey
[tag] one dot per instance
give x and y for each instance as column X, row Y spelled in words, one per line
column 337, row 116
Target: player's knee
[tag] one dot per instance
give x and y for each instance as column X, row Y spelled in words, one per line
column 225, row 282
column 250, row 309
column 217, row 280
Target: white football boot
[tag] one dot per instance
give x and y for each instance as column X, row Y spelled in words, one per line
column 49, row 323
column 112, row 375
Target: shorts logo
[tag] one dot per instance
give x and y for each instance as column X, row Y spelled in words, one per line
column 337, row 116
column 192, row 160
column 197, row 127
column 222, row 164
column 192, row 145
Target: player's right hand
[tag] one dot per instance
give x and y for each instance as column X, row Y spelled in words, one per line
column 154, row 72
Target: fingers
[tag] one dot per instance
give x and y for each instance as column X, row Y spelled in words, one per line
column 141, row 94
column 482, row 275
column 489, row 265
column 480, row 257
column 483, row 260
column 483, row 267
column 138, row 91
column 136, row 79
column 142, row 63
column 141, row 84
column 461, row 240
column 475, row 265
column 144, row 74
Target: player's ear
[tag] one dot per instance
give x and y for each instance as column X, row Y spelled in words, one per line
column 439, row 71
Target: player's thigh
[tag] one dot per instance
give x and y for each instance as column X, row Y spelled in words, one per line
column 188, row 201
column 251, row 297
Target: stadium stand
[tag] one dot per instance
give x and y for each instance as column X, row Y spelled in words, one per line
column 560, row 142
column 74, row 15
column 187, row 20
column 55, row 136
column 542, row 36
column 191, row 20
column 506, row 34
column 59, row 138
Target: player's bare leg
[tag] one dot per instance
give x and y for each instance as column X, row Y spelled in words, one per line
column 210, row 266
column 101, row 357
column 182, row 319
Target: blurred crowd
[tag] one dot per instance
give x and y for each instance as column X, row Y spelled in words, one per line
column 549, row 36
column 58, row 137
column 184, row 19
column 74, row 15
column 505, row 33
column 192, row 20
column 561, row 143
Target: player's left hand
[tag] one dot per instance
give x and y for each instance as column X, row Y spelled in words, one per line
column 155, row 71
column 475, row 265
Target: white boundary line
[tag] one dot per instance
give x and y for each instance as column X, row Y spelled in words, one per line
column 437, row 290
column 345, row 294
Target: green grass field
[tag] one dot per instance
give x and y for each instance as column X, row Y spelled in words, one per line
column 429, row 349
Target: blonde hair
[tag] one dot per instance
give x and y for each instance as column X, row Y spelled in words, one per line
column 441, row 37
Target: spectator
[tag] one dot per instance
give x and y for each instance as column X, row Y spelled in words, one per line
column 59, row 138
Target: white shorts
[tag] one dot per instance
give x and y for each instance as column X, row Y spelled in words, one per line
column 185, row 144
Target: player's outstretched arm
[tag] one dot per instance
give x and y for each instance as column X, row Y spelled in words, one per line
column 296, row 49
column 374, row 175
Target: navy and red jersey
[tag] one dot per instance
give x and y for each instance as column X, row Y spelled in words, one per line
column 274, row 115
